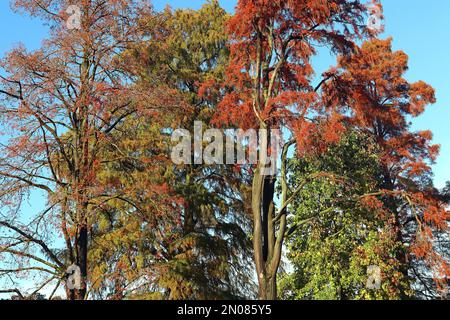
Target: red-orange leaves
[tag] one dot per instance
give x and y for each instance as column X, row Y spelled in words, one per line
column 421, row 94
column 370, row 85
column 270, row 76
column 375, row 75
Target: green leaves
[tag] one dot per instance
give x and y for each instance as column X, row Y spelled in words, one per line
column 331, row 253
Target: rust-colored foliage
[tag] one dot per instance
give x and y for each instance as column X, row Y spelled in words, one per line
column 370, row 86
column 60, row 107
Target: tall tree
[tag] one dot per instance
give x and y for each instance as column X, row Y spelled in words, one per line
column 59, row 106
column 270, row 80
column 371, row 84
column 207, row 252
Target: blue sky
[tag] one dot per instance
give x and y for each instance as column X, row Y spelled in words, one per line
column 419, row 28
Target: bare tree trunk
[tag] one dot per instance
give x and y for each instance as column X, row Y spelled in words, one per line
column 82, row 249
column 258, row 183
column 266, row 247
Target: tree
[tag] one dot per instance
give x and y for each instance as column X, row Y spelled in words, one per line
column 270, row 86
column 205, row 254
column 371, row 85
column 59, row 106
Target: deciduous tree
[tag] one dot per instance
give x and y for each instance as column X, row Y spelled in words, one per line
column 270, row 81
column 59, row 106
column 207, row 252
column 381, row 102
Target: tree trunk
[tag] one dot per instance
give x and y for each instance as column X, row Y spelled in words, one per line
column 268, row 288
column 82, row 248
column 263, row 191
column 267, row 216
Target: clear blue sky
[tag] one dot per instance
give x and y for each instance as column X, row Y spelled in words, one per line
column 419, row 28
